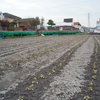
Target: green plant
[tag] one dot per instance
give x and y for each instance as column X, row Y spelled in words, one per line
column 35, row 78
column 50, row 22
column 86, row 97
column 60, row 64
column 94, row 65
column 1, row 67
column 53, row 69
column 49, row 73
column 69, row 53
column 95, row 71
column 20, row 98
column 91, row 83
column 29, row 87
column 34, row 82
column 90, row 88
column 42, row 76
column 94, row 76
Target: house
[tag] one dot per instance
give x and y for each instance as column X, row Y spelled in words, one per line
column 25, row 23
column 65, row 27
column 78, row 25
column 10, row 17
column 62, row 26
column 97, row 30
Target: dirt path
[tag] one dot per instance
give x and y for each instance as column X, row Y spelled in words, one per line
column 44, row 68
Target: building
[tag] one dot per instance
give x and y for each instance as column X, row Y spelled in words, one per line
column 65, row 27
column 78, row 25
column 25, row 23
column 97, row 26
column 10, row 17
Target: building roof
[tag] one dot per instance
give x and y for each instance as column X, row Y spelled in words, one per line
column 64, row 26
column 26, row 20
column 76, row 23
column 11, row 16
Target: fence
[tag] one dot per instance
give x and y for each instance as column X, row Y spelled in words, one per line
column 3, row 28
column 22, row 33
column 12, row 33
column 59, row 32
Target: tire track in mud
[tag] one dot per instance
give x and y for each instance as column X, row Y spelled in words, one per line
column 34, row 86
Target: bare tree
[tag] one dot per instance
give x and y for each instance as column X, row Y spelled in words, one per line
column 35, row 21
column 4, row 23
column 41, row 22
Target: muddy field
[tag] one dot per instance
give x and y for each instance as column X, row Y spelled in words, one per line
column 50, row 68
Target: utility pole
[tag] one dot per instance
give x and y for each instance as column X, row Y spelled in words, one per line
column 89, row 22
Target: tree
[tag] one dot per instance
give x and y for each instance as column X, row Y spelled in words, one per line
column 51, row 22
column 4, row 23
column 14, row 22
column 35, row 22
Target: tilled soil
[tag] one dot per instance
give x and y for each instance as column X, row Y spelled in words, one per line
column 49, row 68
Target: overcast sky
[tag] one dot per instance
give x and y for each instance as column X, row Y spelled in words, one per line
column 56, row 10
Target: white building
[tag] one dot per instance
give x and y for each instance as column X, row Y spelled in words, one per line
column 78, row 25
column 98, row 26
column 97, row 29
